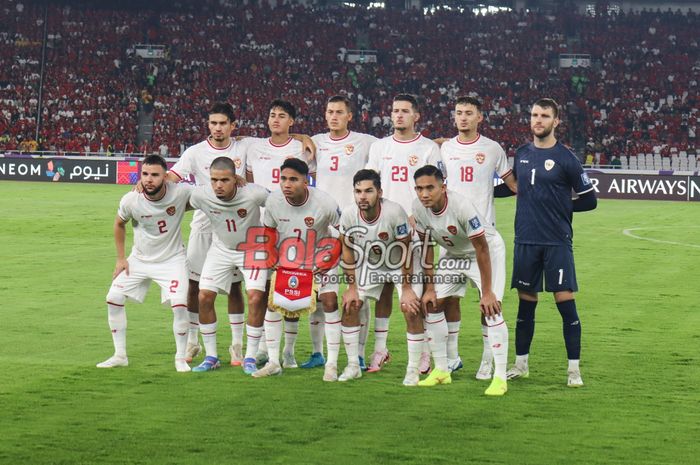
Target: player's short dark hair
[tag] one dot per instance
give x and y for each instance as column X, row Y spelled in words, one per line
column 412, row 99
column 223, row 163
column 345, row 100
column 222, row 108
column 284, row 105
column 155, row 160
column 367, row 175
column 429, row 170
column 297, row 165
column 548, row 103
column 466, row 100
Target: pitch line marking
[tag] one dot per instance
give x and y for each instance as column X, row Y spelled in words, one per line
column 628, row 232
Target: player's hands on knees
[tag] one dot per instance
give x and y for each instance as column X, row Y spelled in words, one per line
column 429, row 301
column 490, row 306
column 351, row 300
column 410, row 303
column 122, row 265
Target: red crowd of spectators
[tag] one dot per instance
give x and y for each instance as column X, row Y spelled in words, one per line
column 640, row 94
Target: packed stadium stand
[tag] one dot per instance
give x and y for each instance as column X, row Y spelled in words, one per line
column 637, row 103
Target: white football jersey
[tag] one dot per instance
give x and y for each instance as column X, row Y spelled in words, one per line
column 156, row 223
column 373, row 237
column 454, row 226
column 469, row 170
column 397, row 162
column 263, row 160
column 230, row 220
column 196, row 161
column 337, row 162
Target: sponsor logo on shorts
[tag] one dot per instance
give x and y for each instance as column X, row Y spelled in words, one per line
column 170, row 211
column 309, row 221
column 242, row 212
column 480, row 158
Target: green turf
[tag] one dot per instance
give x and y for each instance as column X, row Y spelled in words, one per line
column 641, row 334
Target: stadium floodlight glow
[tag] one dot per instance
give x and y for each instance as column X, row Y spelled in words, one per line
column 376, row 5
column 351, row 5
column 484, row 9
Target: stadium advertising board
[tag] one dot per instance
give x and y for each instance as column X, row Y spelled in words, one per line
column 645, row 187
column 58, row 169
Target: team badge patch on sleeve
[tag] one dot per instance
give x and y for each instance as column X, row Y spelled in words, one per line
column 402, row 229
column 585, row 179
column 474, row 223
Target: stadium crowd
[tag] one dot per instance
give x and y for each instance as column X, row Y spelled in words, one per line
column 640, row 95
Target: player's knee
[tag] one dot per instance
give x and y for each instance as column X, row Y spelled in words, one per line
column 329, row 301
column 116, row 298
column 255, row 298
column 206, row 297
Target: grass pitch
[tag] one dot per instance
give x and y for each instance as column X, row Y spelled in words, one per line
column 639, row 307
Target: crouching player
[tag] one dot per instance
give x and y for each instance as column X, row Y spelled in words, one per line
column 157, row 254
column 452, row 221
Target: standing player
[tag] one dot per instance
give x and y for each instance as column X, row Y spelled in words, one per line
column 196, row 161
column 470, row 160
column 396, row 158
column 302, row 214
column 376, row 243
column 340, row 153
column 157, row 254
column 232, row 210
column 453, row 222
column 547, row 172
column 263, row 160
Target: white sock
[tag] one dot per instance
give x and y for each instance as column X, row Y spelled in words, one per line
column 415, row 347
column 498, row 338
column 316, row 328
column 381, row 333
column 436, row 327
column 291, row 329
column 116, row 317
column 573, row 365
column 262, row 347
column 426, row 342
column 521, row 359
column 364, row 328
column 332, row 329
column 486, row 355
column 273, row 335
column 193, row 330
column 453, row 339
column 236, row 321
column 351, row 338
column 181, row 324
column 209, row 337
column 253, row 343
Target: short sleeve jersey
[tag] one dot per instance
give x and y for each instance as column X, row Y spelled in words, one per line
column 546, row 179
column 373, row 237
column 156, row 223
column 338, row 160
column 469, row 169
column 454, row 226
column 230, row 220
column 397, row 161
column 264, row 159
column 196, row 161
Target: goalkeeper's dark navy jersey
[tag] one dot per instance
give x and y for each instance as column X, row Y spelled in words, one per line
column 546, row 178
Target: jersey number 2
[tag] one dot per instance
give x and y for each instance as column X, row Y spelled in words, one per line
column 161, row 226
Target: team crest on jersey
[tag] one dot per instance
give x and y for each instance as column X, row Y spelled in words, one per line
column 242, row 212
column 548, row 164
column 170, row 211
column 309, row 220
column 452, row 229
column 480, row 157
column 237, row 162
column 349, row 149
column 293, row 282
column 383, row 235
column 413, row 160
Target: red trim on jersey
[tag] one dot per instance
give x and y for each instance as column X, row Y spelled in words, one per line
column 217, row 148
column 176, row 174
column 406, row 141
column 339, row 139
column 478, row 136
column 477, row 235
column 443, row 208
column 275, row 145
column 362, row 217
column 165, row 186
column 300, row 204
column 507, row 173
